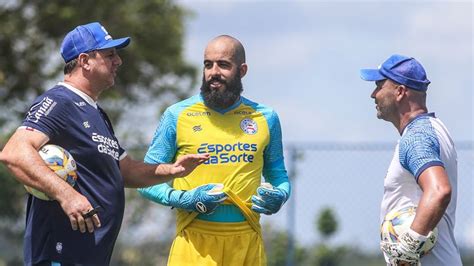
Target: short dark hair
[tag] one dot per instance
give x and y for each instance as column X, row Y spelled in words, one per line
column 69, row 67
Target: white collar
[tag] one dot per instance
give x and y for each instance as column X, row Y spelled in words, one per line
column 84, row 96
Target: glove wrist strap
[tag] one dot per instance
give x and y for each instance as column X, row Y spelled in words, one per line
column 417, row 236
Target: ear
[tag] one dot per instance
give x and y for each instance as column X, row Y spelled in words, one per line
column 401, row 92
column 83, row 61
column 243, row 69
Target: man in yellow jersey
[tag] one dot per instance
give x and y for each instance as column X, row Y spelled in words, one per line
column 219, row 225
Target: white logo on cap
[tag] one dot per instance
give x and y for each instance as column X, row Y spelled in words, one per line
column 107, row 35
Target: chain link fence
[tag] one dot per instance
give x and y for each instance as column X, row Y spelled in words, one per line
column 345, row 177
column 348, row 178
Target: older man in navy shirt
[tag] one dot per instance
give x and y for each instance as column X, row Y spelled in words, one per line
column 70, row 230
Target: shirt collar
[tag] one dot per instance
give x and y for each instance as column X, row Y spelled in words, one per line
column 81, row 94
column 418, row 117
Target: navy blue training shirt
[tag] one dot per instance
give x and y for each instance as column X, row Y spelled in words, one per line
column 72, row 120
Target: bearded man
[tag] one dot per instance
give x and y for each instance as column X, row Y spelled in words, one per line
column 219, row 204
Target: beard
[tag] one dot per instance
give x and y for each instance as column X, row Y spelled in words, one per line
column 386, row 110
column 220, row 100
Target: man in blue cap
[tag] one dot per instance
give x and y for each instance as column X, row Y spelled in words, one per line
column 423, row 171
column 81, row 224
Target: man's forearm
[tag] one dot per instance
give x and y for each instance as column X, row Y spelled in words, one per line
column 138, row 174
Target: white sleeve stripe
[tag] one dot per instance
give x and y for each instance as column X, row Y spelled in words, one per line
column 123, row 155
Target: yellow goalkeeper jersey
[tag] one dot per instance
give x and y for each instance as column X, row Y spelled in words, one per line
column 244, row 142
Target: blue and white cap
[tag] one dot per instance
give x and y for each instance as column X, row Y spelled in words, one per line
column 89, row 37
column 401, row 69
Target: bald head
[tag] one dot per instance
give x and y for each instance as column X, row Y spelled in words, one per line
column 224, row 67
column 229, row 46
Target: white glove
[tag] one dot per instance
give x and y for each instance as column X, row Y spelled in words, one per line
column 407, row 249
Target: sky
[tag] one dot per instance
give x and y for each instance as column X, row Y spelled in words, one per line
column 304, row 59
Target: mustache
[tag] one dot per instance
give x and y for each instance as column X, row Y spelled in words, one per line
column 218, row 79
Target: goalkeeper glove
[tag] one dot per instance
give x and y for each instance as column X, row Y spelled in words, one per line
column 407, row 249
column 268, row 200
column 200, row 199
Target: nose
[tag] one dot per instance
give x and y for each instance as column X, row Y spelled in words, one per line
column 215, row 70
column 373, row 94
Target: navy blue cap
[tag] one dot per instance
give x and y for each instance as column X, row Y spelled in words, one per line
column 89, row 37
column 401, row 69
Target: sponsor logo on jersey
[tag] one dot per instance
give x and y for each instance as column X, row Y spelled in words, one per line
column 198, row 113
column 106, row 145
column 80, row 104
column 86, row 124
column 43, row 108
column 249, row 126
column 201, row 207
column 197, row 128
column 241, row 112
column 229, row 153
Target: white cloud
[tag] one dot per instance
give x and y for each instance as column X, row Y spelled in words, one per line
column 442, row 31
column 282, row 52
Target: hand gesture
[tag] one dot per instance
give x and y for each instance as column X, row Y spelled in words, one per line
column 184, row 165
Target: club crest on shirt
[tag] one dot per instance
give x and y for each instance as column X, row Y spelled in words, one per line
column 249, row 126
column 59, row 247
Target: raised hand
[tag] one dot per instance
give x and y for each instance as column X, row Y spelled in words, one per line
column 183, row 166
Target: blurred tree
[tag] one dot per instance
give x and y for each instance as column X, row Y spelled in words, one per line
column 10, row 207
column 327, row 256
column 326, row 223
column 12, row 203
column 320, row 254
column 31, row 33
column 324, row 255
column 276, row 246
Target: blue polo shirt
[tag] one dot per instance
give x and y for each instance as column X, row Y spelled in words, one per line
column 72, row 120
